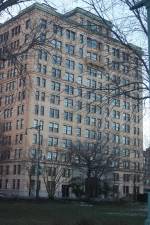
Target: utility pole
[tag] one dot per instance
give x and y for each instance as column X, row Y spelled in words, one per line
column 38, row 128
column 138, row 5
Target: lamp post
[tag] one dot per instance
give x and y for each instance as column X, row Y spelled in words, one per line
column 140, row 4
column 38, row 127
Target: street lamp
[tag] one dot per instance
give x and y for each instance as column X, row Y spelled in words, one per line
column 138, row 5
column 38, row 127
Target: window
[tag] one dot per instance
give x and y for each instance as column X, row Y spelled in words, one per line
column 42, row 54
column 70, row 64
column 56, row 44
column 70, row 49
column 116, row 114
column 90, row 134
column 115, row 163
column 18, row 169
column 78, row 118
column 43, row 96
column 126, row 177
column 91, row 43
column 16, row 30
column 34, row 140
column 42, row 38
column 125, row 69
column 81, row 52
column 81, row 39
column 78, row 132
column 67, row 143
column 125, row 56
column 54, row 113
column 79, row 80
column 116, row 138
column 18, row 184
column 0, row 183
column 56, row 73
column 115, row 65
column 19, row 139
column 28, row 24
column 20, row 110
column 1, row 170
column 126, row 128
column 41, row 82
column 52, row 173
column 126, row 105
column 107, row 124
column 94, row 27
column 55, row 86
column 90, row 121
column 92, row 56
column 68, row 116
column 52, row 141
column 67, row 129
column 126, row 140
column 42, row 110
column 125, row 152
column 54, row 127
column 79, row 92
column 18, row 153
column 43, row 23
column 126, row 117
column 57, row 29
column 116, row 102
column 36, row 109
column 78, row 105
column 69, row 77
column 55, row 99
column 66, row 172
column 6, row 183
column 19, row 124
column 52, row 156
column 116, row 151
column 80, row 67
column 116, row 52
column 93, row 72
column 56, row 60
column 116, row 126
column 116, row 176
column 68, row 103
column 69, row 90
column 35, row 123
column 7, row 170
column 8, row 112
column 126, row 164
column 70, row 35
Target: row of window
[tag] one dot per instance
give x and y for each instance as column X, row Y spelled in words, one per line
column 125, row 56
column 54, row 127
column 5, row 184
column 69, row 103
column 127, row 177
column 126, row 164
column 7, row 170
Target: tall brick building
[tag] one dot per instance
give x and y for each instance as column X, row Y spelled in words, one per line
column 56, row 70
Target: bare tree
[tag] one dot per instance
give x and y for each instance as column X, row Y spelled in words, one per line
column 94, row 165
column 55, row 174
column 5, row 4
column 122, row 27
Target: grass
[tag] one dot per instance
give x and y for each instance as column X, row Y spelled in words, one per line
column 70, row 213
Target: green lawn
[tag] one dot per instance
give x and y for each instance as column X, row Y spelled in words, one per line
column 70, row 213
